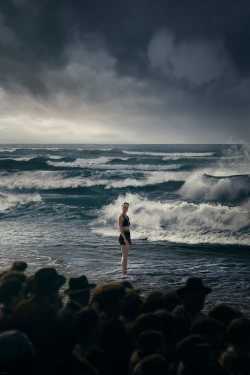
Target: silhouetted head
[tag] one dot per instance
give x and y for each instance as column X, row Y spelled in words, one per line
column 16, row 353
column 154, row 364
column 146, row 322
column 224, row 313
column 153, row 302
column 16, row 267
column 238, row 333
column 211, row 330
column 151, row 342
column 46, row 282
column 19, row 266
column 107, row 298
column 131, row 306
column 125, row 207
column 79, row 289
column 171, row 300
column 169, row 327
column 194, row 352
column 11, row 289
column 193, row 294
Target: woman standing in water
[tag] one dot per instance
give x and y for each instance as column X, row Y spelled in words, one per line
column 124, row 238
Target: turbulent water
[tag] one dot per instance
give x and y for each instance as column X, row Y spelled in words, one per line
column 189, row 210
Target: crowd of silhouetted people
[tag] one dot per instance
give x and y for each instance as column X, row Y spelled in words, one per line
column 49, row 325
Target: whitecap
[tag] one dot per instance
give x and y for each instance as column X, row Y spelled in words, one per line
column 170, row 155
column 205, row 187
column 9, row 201
column 177, row 221
column 81, row 163
column 60, row 180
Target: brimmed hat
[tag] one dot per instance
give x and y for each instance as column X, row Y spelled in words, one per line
column 193, row 285
column 78, row 285
column 46, row 280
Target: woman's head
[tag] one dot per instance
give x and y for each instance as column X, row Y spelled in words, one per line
column 125, row 207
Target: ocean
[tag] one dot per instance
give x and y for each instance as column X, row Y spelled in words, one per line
column 189, row 213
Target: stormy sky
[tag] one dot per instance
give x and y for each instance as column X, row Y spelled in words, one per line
column 115, row 71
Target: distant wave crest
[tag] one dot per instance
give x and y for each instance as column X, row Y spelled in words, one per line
column 10, row 201
column 45, row 180
column 170, row 155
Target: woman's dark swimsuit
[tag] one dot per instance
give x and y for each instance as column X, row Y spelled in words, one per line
column 126, row 223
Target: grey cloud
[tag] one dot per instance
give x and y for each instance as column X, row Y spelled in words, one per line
column 8, row 37
column 77, row 84
column 20, row 3
column 197, row 61
column 87, row 100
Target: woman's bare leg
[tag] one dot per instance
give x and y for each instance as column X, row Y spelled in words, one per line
column 124, row 260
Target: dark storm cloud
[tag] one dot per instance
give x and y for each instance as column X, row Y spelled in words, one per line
column 170, row 63
column 44, row 27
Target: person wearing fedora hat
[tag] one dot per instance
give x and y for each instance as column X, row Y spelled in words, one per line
column 193, row 296
column 78, row 285
column 78, row 294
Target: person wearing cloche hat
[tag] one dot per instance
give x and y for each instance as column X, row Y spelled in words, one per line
column 193, row 296
column 78, row 294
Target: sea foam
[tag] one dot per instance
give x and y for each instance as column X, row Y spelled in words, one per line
column 45, row 180
column 177, row 221
column 225, row 188
column 9, row 201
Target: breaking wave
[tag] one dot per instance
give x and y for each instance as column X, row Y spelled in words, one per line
column 9, row 201
column 54, row 157
column 81, row 163
column 112, row 164
column 205, row 187
column 20, row 158
column 45, row 180
column 171, row 155
column 178, row 221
